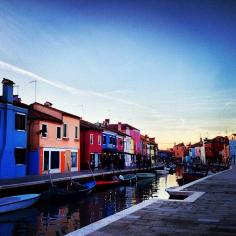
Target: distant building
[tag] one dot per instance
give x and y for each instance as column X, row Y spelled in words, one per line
column 180, row 151
column 232, row 148
column 13, row 133
column 54, row 140
column 214, row 148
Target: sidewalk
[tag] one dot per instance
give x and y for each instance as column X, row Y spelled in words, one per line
column 213, row 213
column 45, row 179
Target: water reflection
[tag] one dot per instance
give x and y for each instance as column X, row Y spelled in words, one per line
column 59, row 219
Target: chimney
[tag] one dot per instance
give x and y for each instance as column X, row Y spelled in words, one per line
column 7, row 92
column 48, row 104
column 106, row 122
column 119, row 126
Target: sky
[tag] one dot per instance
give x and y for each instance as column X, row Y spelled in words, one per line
column 166, row 67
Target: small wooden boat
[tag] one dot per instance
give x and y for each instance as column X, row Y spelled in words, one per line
column 128, row 178
column 162, row 172
column 17, row 202
column 145, row 175
column 109, row 182
column 73, row 190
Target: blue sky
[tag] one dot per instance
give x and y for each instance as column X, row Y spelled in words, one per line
column 166, row 67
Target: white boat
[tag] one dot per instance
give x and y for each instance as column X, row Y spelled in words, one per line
column 17, row 202
column 145, row 175
column 162, row 172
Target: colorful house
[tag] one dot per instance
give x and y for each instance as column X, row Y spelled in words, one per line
column 179, row 151
column 91, row 145
column 134, row 140
column 153, row 151
column 54, row 140
column 13, row 133
column 232, row 148
column 131, row 142
column 214, row 148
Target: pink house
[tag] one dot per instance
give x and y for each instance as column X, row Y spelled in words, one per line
column 54, row 139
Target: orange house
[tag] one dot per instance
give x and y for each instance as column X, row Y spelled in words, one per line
column 54, row 138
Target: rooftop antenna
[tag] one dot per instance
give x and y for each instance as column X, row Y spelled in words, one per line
column 35, row 88
column 82, row 109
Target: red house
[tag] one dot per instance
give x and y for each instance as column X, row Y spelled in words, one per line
column 91, row 145
column 179, row 151
column 214, row 148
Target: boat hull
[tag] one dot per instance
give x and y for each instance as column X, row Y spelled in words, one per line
column 17, row 205
column 145, row 175
column 162, row 172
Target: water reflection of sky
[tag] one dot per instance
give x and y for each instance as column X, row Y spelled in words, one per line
column 59, row 219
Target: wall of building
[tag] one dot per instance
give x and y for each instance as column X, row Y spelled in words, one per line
column 11, row 139
column 87, row 148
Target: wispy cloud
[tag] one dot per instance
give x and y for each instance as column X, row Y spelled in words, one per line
column 63, row 86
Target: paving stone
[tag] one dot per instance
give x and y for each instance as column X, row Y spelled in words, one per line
column 214, row 213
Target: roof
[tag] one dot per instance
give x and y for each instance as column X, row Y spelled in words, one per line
column 16, row 103
column 198, row 144
column 55, row 109
column 85, row 125
column 112, row 128
column 123, row 126
column 180, row 144
column 38, row 115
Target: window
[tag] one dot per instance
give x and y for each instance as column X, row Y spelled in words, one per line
column 99, row 139
column 55, row 159
column 114, row 141
column 76, row 132
column 64, row 130
column 110, row 140
column 58, row 132
column 73, row 159
column 44, row 130
column 104, row 140
column 91, row 138
column 20, row 121
column 20, row 156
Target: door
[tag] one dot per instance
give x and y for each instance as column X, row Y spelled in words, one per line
column 96, row 160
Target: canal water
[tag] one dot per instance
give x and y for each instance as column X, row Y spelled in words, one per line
column 59, row 219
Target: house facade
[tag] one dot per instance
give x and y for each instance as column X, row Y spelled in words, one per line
column 13, row 132
column 179, row 151
column 232, row 148
column 54, row 138
column 91, row 145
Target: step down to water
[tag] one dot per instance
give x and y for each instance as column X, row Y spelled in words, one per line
column 186, row 196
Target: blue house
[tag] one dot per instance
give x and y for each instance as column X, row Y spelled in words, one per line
column 192, row 152
column 13, row 133
column 232, row 148
column 109, row 141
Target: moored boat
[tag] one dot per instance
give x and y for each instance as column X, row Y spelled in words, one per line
column 17, row 202
column 108, row 182
column 128, row 178
column 162, row 172
column 145, row 175
column 73, row 190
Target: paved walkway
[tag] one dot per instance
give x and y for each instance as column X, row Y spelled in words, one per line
column 213, row 213
column 57, row 177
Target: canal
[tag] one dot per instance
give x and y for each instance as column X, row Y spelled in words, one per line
column 59, row 219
